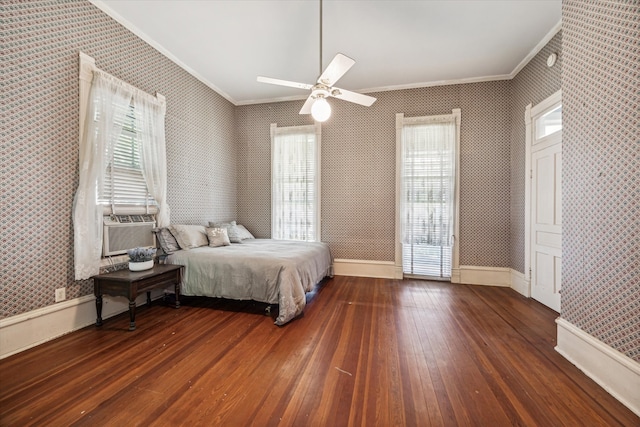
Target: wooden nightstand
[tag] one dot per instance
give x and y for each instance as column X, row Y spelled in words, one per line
column 132, row 283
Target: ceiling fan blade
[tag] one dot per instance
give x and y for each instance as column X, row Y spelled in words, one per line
column 339, row 65
column 284, row 83
column 358, row 98
column 306, row 108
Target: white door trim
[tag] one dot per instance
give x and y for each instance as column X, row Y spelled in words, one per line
column 529, row 115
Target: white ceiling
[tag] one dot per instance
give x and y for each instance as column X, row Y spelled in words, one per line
column 396, row 44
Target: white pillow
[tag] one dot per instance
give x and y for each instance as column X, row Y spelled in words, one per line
column 232, row 230
column 189, row 236
column 218, row 237
column 244, row 233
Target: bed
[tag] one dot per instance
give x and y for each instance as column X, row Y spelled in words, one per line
column 265, row 270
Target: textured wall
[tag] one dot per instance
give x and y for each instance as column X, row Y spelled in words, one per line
column 39, row 129
column 601, row 171
column 533, row 84
column 358, row 169
column 599, row 66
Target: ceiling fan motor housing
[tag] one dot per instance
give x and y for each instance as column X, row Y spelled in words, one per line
column 320, row 91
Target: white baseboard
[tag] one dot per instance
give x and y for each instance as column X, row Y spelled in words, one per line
column 455, row 275
column 466, row 274
column 476, row 275
column 520, row 283
column 365, row 268
column 618, row 374
column 26, row 330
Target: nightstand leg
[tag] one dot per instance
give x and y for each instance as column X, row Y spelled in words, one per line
column 177, row 294
column 148, row 298
column 132, row 315
column 99, row 310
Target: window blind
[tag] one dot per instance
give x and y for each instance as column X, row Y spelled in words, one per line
column 295, row 183
column 427, row 204
column 124, row 183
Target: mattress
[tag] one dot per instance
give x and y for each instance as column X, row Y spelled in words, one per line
column 270, row 271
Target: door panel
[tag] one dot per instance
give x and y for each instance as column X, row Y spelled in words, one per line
column 551, row 240
column 546, row 223
column 544, row 194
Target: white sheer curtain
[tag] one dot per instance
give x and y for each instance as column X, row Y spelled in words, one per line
column 154, row 157
column 295, row 183
column 108, row 103
column 107, row 107
column 428, row 197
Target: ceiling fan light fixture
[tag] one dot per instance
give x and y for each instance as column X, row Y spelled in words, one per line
column 316, row 103
column 321, row 110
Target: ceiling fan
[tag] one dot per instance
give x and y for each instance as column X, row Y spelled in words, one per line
column 316, row 104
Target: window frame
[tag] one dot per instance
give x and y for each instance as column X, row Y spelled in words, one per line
column 401, row 121
column 315, row 130
column 126, row 174
column 87, row 65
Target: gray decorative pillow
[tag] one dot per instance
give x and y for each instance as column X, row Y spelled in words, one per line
column 218, row 237
column 189, row 236
column 232, row 230
column 244, row 233
column 166, row 240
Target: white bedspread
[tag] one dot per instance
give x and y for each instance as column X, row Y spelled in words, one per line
column 265, row 270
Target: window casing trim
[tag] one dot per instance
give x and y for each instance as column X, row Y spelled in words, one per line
column 316, row 129
column 401, row 121
column 87, row 67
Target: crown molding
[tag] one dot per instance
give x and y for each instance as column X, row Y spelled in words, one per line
column 135, row 30
column 537, row 48
column 157, row 46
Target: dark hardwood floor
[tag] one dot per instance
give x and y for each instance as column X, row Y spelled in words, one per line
column 366, row 352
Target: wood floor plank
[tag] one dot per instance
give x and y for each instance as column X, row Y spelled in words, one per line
column 495, row 347
column 540, row 335
column 463, row 381
column 366, row 352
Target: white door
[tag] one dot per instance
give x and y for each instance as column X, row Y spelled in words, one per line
column 546, row 207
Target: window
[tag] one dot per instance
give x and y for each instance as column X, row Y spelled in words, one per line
column 427, row 183
column 550, row 122
column 295, row 182
column 122, row 143
column 124, row 184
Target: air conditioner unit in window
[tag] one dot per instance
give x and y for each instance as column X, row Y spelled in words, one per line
column 124, row 232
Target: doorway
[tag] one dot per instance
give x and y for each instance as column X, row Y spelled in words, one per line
column 544, row 196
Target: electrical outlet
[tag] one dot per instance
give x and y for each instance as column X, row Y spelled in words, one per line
column 60, row 294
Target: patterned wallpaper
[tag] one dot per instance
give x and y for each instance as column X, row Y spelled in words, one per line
column 210, row 179
column 358, row 169
column 533, row 84
column 601, row 171
column 39, row 128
